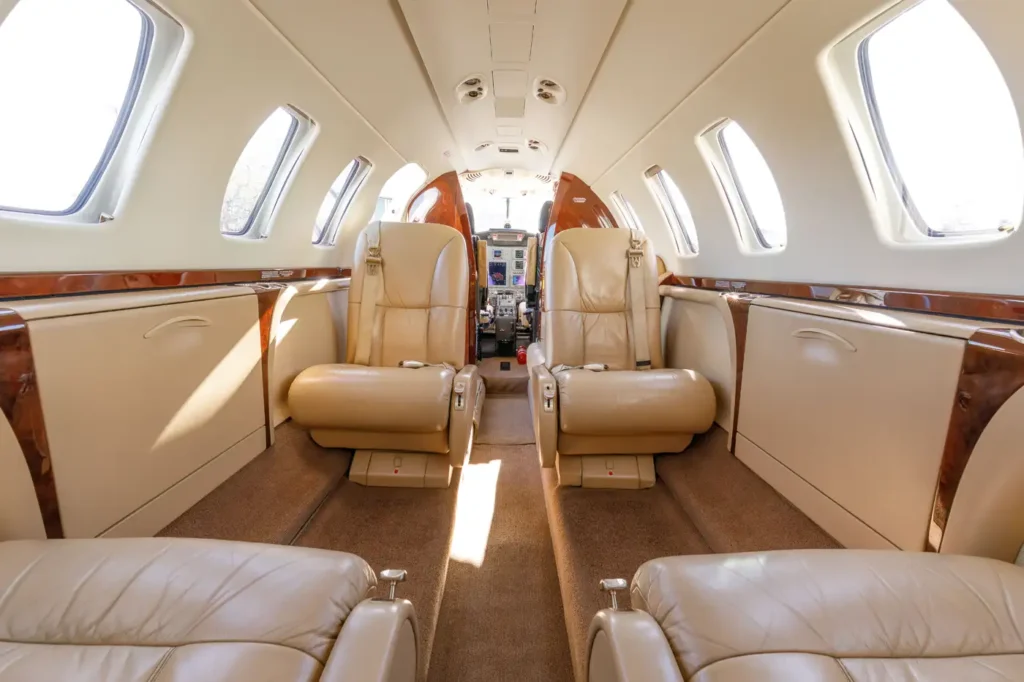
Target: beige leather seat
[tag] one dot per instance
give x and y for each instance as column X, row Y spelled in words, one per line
column 408, row 424
column 826, row 616
column 156, row 610
column 602, row 400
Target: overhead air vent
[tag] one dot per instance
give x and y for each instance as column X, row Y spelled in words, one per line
column 473, row 176
column 548, row 91
column 536, row 146
column 546, row 179
column 508, row 150
column 472, row 89
column 482, row 146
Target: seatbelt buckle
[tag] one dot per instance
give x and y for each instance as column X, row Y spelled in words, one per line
column 643, row 364
column 635, row 253
column 373, row 260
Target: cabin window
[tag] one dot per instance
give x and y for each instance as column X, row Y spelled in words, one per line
column 261, row 173
column 626, row 212
column 752, row 192
column 397, row 191
column 72, row 72
column 338, row 200
column 422, row 204
column 676, row 210
column 945, row 123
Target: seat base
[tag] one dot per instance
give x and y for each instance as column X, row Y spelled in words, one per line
column 389, row 469
column 622, row 472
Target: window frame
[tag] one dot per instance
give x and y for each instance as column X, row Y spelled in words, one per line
column 685, row 245
column 300, row 135
column 361, row 167
column 161, row 43
column 846, row 71
column 629, row 216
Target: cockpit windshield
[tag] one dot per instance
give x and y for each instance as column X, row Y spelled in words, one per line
column 501, row 200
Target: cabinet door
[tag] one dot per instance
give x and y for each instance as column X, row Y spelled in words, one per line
column 136, row 400
column 858, row 411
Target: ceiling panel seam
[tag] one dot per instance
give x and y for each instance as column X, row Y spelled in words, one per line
column 691, row 93
column 299, row 53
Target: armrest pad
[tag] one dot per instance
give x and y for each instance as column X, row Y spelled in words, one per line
column 629, row 646
column 377, row 643
column 462, row 418
column 544, row 405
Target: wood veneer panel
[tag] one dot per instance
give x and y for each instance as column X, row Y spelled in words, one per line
column 450, row 209
column 981, row 306
column 20, row 402
column 61, row 283
column 739, row 307
column 992, row 371
column 266, row 300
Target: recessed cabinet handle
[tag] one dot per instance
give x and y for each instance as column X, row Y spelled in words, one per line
column 183, row 321
column 826, row 335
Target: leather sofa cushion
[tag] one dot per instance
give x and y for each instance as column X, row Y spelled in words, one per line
column 837, row 616
column 631, row 403
column 372, row 399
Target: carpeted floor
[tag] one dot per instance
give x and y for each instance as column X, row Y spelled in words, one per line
column 505, row 421
column 734, row 509
column 270, row 498
column 501, row 617
column 601, row 534
column 408, row 528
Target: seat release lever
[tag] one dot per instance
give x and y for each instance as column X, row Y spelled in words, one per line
column 614, row 586
column 549, row 397
column 391, row 577
column 460, row 395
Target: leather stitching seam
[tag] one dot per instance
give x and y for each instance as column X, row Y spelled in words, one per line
column 160, row 664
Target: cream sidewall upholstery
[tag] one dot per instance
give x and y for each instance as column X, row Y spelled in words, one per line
column 858, row 411
column 19, row 511
column 698, row 334
column 987, row 518
column 306, row 330
column 136, row 400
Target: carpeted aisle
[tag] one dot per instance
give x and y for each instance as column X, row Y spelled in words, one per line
column 505, row 421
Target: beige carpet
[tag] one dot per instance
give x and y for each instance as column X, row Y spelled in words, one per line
column 269, row 499
column 734, row 509
column 501, row 619
column 408, row 528
column 601, row 534
column 512, row 380
column 505, row 421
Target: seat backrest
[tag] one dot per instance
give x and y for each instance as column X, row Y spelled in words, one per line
column 586, row 301
column 421, row 308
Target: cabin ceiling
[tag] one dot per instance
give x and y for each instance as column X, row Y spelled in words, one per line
column 510, row 45
column 622, row 66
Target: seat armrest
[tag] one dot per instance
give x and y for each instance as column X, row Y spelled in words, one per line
column 377, row 643
column 629, row 646
column 465, row 410
column 544, row 407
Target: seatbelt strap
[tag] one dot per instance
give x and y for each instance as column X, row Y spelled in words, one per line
column 637, row 302
column 416, row 364
column 372, row 280
column 593, row 367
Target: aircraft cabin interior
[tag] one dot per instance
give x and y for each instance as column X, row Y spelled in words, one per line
column 487, row 340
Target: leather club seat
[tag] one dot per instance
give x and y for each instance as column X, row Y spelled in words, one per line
column 821, row 615
column 405, row 400
column 603, row 401
column 157, row 610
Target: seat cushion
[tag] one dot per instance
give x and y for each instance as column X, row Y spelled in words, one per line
column 837, row 615
column 372, row 399
column 625, row 403
column 166, row 609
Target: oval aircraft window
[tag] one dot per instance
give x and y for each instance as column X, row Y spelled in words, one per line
column 338, row 200
column 946, row 122
column 422, row 205
column 70, row 72
column 755, row 184
column 249, row 187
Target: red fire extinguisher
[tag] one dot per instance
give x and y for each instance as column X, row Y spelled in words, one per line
column 521, row 355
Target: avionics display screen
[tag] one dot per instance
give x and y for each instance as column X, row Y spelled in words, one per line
column 519, row 280
column 496, row 274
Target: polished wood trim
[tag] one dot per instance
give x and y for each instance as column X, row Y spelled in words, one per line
column 1004, row 308
column 576, row 205
column 992, row 371
column 30, row 285
column 21, row 404
column 450, row 209
column 266, row 299
column 739, row 306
